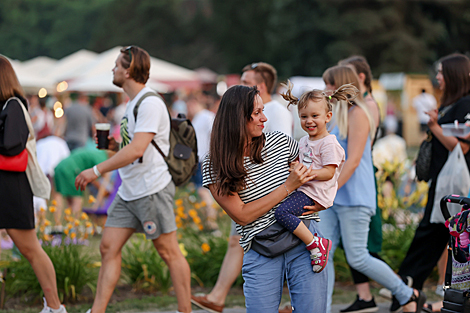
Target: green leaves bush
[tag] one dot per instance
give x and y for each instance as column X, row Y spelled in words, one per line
column 74, row 271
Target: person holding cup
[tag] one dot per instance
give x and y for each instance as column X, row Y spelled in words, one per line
column 102, row 135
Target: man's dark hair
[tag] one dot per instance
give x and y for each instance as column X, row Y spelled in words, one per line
column 264, row 72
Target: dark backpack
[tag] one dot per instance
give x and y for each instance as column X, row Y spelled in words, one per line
column 182, row 158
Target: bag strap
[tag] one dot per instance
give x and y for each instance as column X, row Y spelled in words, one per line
column 136, row 110
column 25, row 113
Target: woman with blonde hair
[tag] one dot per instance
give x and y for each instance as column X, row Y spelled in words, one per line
column 17, row 188
column 349, row 217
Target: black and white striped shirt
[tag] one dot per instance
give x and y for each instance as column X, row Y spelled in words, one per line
column 278, row 151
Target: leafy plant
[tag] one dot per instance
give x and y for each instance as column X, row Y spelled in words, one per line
column 74, row 271
column 143, row 267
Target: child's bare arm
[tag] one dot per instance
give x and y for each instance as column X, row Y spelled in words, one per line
column 325, row 173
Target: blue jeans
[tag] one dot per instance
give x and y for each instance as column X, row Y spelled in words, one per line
column 264, row 279
column 351, row 224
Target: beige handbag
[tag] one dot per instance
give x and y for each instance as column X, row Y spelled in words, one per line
column 38, row 181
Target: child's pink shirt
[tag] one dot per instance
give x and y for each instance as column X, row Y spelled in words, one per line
column 317, row 154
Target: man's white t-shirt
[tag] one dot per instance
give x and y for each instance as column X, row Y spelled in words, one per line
column 202, row 123
column 152, row 175
column 279, row 118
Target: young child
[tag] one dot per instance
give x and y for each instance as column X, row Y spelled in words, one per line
column 322, row 153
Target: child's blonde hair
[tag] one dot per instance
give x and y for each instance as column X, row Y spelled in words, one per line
column 345, row 93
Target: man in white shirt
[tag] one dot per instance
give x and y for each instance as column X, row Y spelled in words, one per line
column 424, row 102
column 144, row 202
column 264, row 77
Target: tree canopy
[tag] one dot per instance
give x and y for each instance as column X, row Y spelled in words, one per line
column 298, row 37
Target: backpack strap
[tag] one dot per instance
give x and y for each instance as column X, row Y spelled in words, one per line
column 136, row 109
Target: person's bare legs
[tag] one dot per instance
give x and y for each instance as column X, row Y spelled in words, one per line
column 29, row 246
column 231, row 267
column 211, row 213
column 76, row 206
column 363, row 291
column 111, row 245
column 168, row 249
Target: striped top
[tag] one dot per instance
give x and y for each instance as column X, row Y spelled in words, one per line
column 278, row 151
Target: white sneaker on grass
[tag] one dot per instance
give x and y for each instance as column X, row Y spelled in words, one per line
column 47, row 309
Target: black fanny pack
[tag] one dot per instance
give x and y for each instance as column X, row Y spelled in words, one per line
column 275, row 240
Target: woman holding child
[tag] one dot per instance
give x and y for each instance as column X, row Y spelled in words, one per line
column 247, row 172
column 355, row 202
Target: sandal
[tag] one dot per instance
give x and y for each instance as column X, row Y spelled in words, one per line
column 428, row 307
column 420, row 300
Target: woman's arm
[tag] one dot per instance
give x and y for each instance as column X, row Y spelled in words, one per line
column 245, row 213
column 447, row 141
column 358, row 132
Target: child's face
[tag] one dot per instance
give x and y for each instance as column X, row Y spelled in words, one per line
column 314, row 117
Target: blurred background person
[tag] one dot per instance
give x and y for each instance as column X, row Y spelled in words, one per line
column 202, row 120
column 424, row 102
column 78, row 119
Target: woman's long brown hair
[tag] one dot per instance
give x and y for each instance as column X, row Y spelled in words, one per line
column 229, row 138
column 9, row 85
column 456, row 72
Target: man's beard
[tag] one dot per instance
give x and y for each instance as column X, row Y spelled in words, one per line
column 117, row 83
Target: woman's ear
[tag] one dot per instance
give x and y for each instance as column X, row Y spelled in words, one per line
column 362, row 77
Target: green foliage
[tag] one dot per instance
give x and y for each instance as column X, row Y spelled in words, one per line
column 143, row 267
column 205, row 256
column 298, row 37
column 396, row 242
column 74, row 271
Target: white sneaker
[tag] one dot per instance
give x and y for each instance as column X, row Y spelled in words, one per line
column 47, row 309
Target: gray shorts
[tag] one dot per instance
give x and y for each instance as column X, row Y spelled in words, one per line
column 233, row 229
column 152, row 215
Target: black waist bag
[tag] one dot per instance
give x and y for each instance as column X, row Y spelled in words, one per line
column 275, row 240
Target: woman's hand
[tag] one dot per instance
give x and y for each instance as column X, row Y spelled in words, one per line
column 299, row 175
column 310, row 209
column 433, row 117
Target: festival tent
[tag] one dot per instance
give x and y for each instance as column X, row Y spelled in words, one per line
column 70, row 65
column 29, row 74
column 164, row 76
column 97, row 76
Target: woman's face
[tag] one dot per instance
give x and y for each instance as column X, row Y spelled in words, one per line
column 255, row 127
column 330, row 87
column 440, row 77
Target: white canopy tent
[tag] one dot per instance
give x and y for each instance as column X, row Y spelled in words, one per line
column 97, row 74
column 29, row 75
column 70, row 65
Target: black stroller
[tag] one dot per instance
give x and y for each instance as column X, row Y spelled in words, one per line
column 457, row 278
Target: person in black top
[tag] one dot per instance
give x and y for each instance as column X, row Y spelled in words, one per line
column 430, row 238
column 16, row 196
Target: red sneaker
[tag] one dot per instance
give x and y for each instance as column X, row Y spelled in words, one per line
column 320, row 250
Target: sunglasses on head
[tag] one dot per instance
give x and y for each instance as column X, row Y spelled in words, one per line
column 129, row 50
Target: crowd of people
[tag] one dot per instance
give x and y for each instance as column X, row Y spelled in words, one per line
column 321, row 188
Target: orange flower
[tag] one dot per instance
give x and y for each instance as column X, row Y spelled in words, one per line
column 200, row 227
column 192, row 213
column 53, row 202
column 76, row 222
column 205, row 247
column 68, row 211
column 66, row 231
column 91, row 199
column 73, row 235
column 178, row 202
column 84, row 216
column 52, row 209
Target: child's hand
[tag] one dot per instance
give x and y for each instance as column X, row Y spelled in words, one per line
column 310, row 209
column 292, row 165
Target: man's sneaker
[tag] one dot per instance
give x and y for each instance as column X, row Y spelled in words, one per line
column 89, row 311
column 47, row 309
column 203, row 303
column 361, row 306
column 319, row 252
